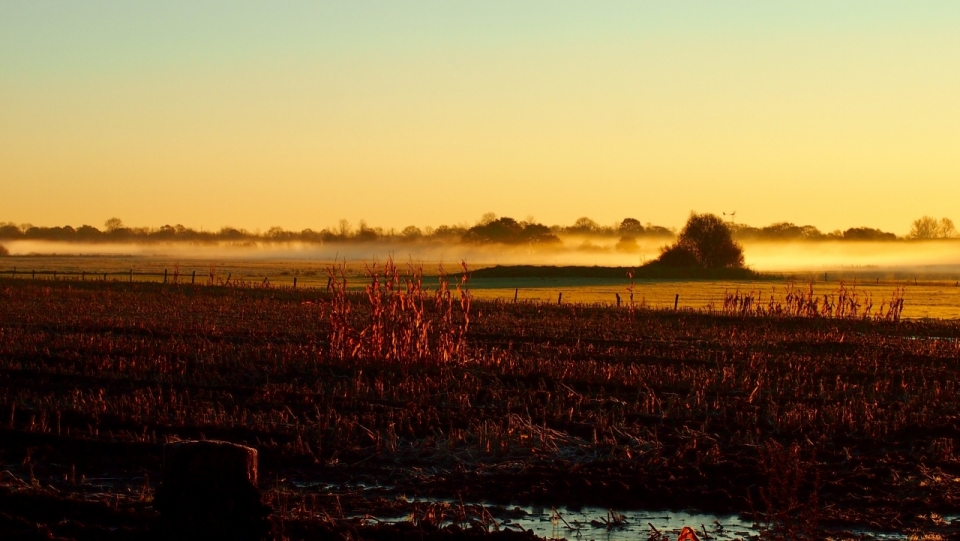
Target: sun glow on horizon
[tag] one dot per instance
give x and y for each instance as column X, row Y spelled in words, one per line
column 300, row 115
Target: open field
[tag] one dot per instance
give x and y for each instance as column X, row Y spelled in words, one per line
column 443, row 414
column 928, row 292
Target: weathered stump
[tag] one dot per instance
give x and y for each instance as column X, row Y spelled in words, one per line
column 209, row 491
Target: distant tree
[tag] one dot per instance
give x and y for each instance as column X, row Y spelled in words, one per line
column 652, row 230
column 810, row 232
column 449, row 232
column 744, row 231
column 776, row 231
column 166, row 232
column 366, row 233
column 66, row 233
column 488, row 217
column 925, row 227
column 534, row 233
column 583, row 225
column 500, row 230
column 705, row 242
column 343, row 228
column 509, row 231
column 113, row 224
column 88, row 233
column 928, row 227
column 10, row 231
column 947, row 229
column 782, row 231
column 229, row 233
column 411, row 232
column 867, row 233
column 3, row 251
column 630, row 227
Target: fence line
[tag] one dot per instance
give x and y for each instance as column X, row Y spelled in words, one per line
column 165, row 277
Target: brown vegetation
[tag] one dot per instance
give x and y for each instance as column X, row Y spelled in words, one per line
column 424, row 394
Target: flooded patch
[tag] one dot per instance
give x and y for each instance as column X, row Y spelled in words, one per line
column 597, row 523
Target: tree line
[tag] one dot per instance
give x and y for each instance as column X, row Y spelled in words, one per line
column 490, row 229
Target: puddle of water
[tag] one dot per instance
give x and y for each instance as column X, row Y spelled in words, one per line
column 593, row 523
column 933, row 338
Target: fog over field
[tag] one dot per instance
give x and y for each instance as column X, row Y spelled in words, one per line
column 761, row 256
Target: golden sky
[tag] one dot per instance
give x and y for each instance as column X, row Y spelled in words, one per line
column 250, row 114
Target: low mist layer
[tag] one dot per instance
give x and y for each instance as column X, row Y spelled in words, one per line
column 572, row 250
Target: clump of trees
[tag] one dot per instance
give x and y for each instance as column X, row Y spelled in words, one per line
column 867, row 233
column 628, row 227
column 787, row 231
column 509, row 231
column 3, row 251
column 928, row 227
column 705, row 242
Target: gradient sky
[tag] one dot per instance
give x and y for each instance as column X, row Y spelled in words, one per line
column 297, row 114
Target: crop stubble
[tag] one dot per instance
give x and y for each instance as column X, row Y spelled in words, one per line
column 824, row 421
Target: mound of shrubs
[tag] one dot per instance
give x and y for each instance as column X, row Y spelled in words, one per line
column 705, row 243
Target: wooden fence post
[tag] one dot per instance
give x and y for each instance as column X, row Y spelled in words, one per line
column 164, row 275
column 209, row 490
column 676, row 301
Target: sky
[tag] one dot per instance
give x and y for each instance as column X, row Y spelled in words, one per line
column 298, row 114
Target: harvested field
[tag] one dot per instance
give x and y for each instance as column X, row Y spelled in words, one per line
column 444, row 413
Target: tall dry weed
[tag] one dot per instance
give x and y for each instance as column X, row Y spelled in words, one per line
column 844, row 303
column 403, row 322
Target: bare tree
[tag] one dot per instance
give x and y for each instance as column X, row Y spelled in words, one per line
column 947, row 230
column 113, row 224
column 928, row 227
column 343, row 228
column 487, row 218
